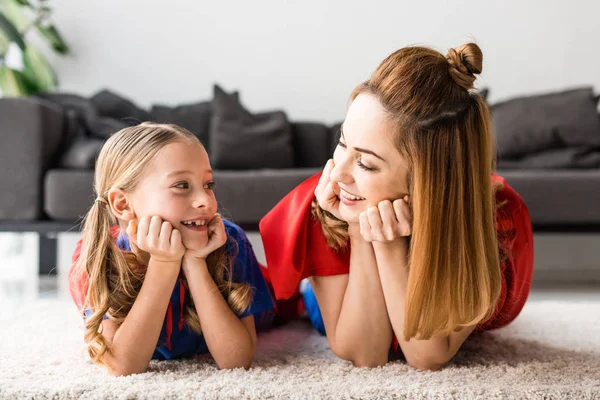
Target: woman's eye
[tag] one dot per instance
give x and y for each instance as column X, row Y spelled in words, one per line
column 210, row 186
column 363, row 166
column 341, row 144
column 182, row 185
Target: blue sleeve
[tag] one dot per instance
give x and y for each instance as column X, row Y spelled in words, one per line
column 247, row 269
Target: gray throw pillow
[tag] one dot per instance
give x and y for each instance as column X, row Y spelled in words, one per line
column 240, row 140
column 528, row 125
column 82, row 153
column 193, row 117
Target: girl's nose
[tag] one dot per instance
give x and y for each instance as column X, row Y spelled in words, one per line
column 200, row 199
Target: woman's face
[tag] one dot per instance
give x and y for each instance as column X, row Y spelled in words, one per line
column 368, row 167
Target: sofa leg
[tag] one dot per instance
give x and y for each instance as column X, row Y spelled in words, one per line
column 47, row 252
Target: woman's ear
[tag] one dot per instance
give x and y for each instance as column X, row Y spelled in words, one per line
column 120, row 205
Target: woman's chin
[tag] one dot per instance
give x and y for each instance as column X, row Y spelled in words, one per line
column 350, row 216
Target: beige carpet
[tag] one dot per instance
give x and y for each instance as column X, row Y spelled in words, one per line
column 552, row 351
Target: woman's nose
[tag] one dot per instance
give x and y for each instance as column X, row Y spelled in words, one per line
column 341, row 170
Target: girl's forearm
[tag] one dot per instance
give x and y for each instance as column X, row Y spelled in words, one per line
column 135, row 341
column 393, row 271
column 228, row 340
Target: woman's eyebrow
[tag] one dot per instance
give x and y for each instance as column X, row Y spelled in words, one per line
column 361, row 150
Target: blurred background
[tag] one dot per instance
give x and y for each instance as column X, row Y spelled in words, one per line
column 72, row 72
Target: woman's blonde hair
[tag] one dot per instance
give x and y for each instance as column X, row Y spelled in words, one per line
column 443, row 130
column 116, row 276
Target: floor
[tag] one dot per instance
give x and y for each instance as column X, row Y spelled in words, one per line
column 20, row 283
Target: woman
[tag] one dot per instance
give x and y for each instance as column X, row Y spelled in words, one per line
column 409, row 240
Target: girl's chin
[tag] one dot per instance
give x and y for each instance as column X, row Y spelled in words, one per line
column 195, row 244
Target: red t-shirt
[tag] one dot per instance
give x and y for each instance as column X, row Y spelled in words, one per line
column 296, row 248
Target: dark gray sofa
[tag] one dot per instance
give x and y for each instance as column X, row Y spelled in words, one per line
column 40, row 194
column 35, row 192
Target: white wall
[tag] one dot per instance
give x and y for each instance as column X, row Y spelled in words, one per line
column 306, row 56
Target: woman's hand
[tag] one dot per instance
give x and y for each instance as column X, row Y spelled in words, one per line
column 388, row 222
column 216, row 238
column 157, row 238
column 327, row 192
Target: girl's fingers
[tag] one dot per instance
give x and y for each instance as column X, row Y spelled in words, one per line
column 175, row 238
column 165, row 233
column 155, row 226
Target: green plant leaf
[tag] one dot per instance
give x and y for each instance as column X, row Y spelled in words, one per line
column 23, row 2
column 4, row 42
column 11, row 31
column 36, row 69
column 13, row 83
column 55, row 39
column 14, row 12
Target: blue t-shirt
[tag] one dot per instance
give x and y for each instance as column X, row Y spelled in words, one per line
column 185, row 342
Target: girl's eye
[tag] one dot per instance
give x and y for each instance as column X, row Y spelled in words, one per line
column 182, row 185
column 363, row 166
column 341, row 144
column 210, row 186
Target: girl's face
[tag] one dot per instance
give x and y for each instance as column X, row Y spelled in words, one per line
column 178, row 187
column 368, row 167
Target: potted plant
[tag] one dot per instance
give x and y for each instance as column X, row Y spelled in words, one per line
column 19, row 20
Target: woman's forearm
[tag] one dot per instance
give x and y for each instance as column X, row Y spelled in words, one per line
column 229, row 341
column 135, row 340
column 393, row 271
column 363, row 331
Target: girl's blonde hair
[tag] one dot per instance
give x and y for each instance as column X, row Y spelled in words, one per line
column 443, row 130
column 116, row 276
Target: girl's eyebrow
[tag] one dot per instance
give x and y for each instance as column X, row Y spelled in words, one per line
column 185, row 172
column 361, row 150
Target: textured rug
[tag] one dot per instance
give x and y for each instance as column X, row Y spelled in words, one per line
column 552, row 351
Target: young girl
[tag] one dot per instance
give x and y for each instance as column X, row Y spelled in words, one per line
column 407, row 237
column 159, row 274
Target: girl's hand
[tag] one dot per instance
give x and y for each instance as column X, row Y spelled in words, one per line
column 327, row 192
column 216, row 238
column 157, row 238
column 388, row 222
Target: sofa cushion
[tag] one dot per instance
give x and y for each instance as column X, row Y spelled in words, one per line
column 243, row 196
column 530, row 124
column 247, row 196
column 31, row 130
column 312, row 143
column 558, row 197
column 68, row 193
column 240, row 140
column 193, row 117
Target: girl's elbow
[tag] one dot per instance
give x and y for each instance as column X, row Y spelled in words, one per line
column 123, row 371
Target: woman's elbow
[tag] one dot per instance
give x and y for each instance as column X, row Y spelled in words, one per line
column 233, row 364
column 359, row 357
column 427, row 363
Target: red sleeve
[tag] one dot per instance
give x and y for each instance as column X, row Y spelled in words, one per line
column 515, row 238
column 294, row 243
column 78, row 278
